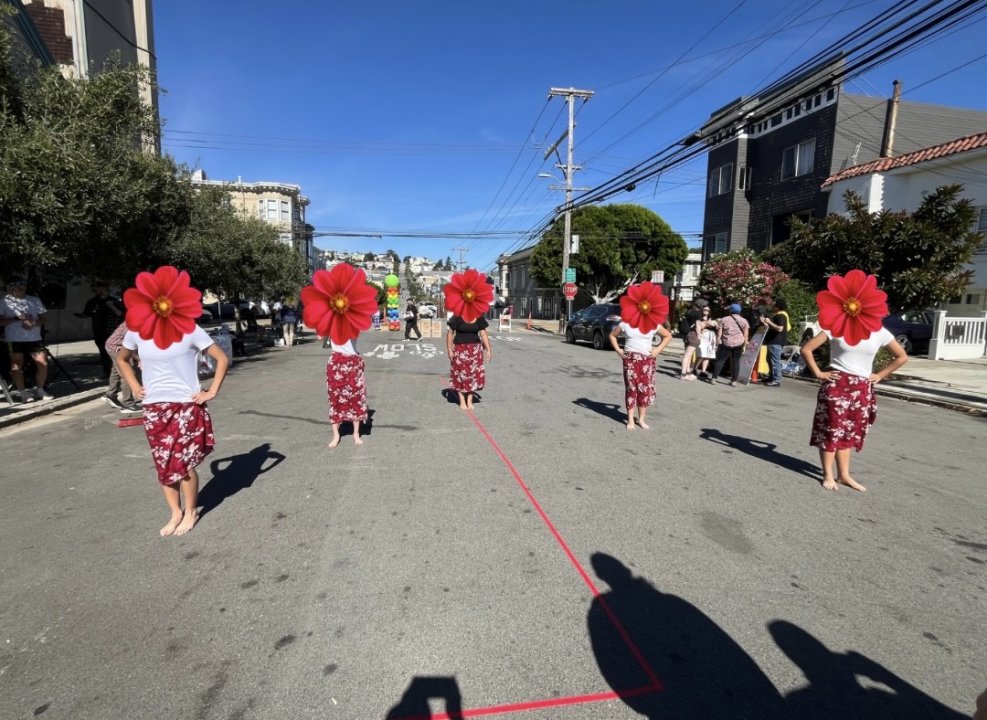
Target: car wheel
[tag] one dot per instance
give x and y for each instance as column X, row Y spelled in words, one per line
column 598, row 340
column 569, row 337
column 905, row 342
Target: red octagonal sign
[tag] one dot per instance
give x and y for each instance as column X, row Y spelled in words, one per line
column 569, row 290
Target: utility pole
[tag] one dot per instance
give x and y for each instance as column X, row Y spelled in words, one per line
column 462, row 256
column 570, row 95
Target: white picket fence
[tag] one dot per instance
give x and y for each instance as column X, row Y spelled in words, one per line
column 957, row 338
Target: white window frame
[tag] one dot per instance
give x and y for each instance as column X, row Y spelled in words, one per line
column 721, row 180
column 272, row 209
column 285, row 211
column 803, row 159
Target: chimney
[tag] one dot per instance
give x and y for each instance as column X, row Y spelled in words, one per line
column 890, row 120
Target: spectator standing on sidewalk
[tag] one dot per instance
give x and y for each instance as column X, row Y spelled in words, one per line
column 106, row 312
column 118, row 393
column 732, row 337
column 411, row 321
column 706, row 329
column 687, row 329
column 289, row 318
column 23, row 316
column 775, row 338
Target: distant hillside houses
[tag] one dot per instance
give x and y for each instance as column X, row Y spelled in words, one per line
column 379, row 265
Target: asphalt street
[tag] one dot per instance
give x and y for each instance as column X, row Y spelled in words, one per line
column 534, row 559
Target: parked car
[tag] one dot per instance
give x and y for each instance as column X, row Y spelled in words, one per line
column 911, row 328
column 205, row 315
column 427, row 310
column 593, row 324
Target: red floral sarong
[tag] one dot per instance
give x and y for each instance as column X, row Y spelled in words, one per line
column 180, row 436
column 347, row 388
column 845, row 409
column 639, row 380
column 466, row 367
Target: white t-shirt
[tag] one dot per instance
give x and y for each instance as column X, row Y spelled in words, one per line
column 170, row 375
column 636, row 341
column 347, row 348
column 26, row 307
column 857, row 359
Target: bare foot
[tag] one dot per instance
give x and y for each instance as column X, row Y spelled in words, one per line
column 462, row 406
column 469, row 406
column 830, row 484
column 851, row 483
column 358, row 440
column 169, row 529
column 334, row 442
column 188, row 522
column 630, row 425
column 644, row 425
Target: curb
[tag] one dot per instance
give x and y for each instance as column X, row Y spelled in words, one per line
column 39, row 409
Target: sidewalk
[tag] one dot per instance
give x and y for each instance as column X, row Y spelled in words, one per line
column 955, row 384
column 79, row 379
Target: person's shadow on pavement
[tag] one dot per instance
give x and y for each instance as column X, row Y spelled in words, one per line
column 232, row 474
column 834, row 689
column 762, row 450
column 610, row 410
column 703, row 672
column 414, row 703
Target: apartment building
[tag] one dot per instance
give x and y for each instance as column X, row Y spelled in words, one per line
column 278, row 203
column 769, row 156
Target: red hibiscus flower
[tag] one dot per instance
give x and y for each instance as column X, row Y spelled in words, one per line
column 339, row 303
column 162, row 307
column 852, row 308
column 644, row 307
column 468, row 295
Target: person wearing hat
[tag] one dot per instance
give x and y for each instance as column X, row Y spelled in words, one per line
column 23, row 315
column 106, row 313
column 732, row 336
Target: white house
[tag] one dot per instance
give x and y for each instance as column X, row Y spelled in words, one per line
column 899, row 183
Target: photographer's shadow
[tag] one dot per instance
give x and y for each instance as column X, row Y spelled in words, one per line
column 835, row 691
column 414, row 703
column 665, row 658
column 762, row 450
column 232, row 474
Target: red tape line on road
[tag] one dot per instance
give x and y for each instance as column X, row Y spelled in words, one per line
column 538, row 704
column 656, row 684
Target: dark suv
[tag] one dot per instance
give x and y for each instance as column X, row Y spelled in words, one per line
column 593, row 323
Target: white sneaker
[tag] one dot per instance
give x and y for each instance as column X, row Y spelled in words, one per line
column 42, row 394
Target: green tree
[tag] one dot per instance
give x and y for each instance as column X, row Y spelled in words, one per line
column 739, row 277
column 448, row 266
column 438, row 266
column 235, row 256
column 618, row 245
column 77, row 193
column 369, row 257
column 919, row 258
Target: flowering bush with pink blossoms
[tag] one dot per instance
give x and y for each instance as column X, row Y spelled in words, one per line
column 739, row 277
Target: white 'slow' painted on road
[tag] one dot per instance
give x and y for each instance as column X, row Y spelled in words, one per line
column 389, row 351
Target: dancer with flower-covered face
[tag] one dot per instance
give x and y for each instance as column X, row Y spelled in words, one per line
column 851, row 314
column 642, row 310
column 340, row 304
column 161, row 312
column 468, row 297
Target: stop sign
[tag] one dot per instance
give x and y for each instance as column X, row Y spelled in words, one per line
column 569, row 290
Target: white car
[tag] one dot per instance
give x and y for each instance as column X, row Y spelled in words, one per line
column 427, row 310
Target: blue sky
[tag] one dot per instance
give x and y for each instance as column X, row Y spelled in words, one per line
column 421, row 116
